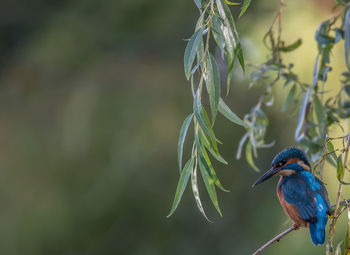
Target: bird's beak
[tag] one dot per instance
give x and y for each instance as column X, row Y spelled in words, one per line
column 267, row 175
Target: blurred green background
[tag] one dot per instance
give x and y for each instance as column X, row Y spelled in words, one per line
column 92, row 97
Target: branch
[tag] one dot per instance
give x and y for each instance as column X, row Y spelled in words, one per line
column 275, row 239
column 279, row 237
column 334, row 220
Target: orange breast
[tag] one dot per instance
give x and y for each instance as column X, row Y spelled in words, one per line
column 290, row 209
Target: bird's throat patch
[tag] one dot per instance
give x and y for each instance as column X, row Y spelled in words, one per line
column 286, row 172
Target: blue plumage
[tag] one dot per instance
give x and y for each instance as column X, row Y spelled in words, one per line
column 302, row 195
column 308, row 194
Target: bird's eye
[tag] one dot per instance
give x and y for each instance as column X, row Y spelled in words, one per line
column 281, row 163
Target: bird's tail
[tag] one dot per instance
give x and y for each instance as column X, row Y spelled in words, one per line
column 317, row 232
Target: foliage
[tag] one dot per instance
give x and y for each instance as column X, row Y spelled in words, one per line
column 319, row 111
column 215, row 21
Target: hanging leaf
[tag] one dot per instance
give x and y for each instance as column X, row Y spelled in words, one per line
column 315, row 73
column 213, row 151
column 340, row 168
column 249, row 157
column 231, row 3
column 196, row 192
column 245, row 6
column 239, row 54
column 330, row 149
column 217, row 33
column 230, row 35
column 226, row 111
column 347, row 37
column 199, row 115
column 240, row 146
column 302, row 114
column 191, row 50
column 204, row 158
column 185, row 174
column 182, row 136
column 209, row 184
column 198, row 3
column 289, row 99
column 321, row 120
column 338, row 249
column 213, row 85
column 292, row 46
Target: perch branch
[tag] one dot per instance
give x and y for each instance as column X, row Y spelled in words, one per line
column 275, row 239
column 279, row 236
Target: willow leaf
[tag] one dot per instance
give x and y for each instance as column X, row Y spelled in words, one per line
column 182, row 136
column 198, row 113
column 191, row 50
column 347, row 37
column 290, row 98
column 185, row 174
column 209, row 184
column 245, row 6
column 198, row 3
column 249, row 157
column 230, row 35
column 226, row 111
column 195, row 191
column 302, row 114
column 204, row 158
column 213, row 85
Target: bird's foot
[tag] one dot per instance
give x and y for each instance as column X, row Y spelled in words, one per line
column 296, row 226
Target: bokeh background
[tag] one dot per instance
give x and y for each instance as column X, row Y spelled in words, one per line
column 92, row 97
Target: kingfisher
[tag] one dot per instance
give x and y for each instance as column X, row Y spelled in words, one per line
column 302, row 195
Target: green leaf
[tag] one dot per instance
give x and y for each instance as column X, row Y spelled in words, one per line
column 185, row 174
column 195, row 191
column 199, row 115
column 315, row 73
column 209, row 184
column 347, row 37
column 290, row 98
column 231, row 3
column 347, row 89
column 230, row 35
column 239, row 54
column 213, row 85
column 340, row 168
column 240, row 146
column 249, row 156
column 321, row 118
column 338, row 249
column 302, row 114
column 226, row 111
column 191, row 50
column 330, row 149
column 292, row 46
column 213, row 150
column 245, row 6
column 198, row 3
column 204, row 158
column 217, row 33
column 182, row 136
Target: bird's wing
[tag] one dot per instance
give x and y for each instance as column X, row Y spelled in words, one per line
column 323, row 192
column 295, row 190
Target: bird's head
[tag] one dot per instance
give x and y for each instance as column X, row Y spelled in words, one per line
column 287, row 162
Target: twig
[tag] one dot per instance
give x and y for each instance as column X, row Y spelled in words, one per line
column 334, row 220
column 275, row 239
column 279, row 236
